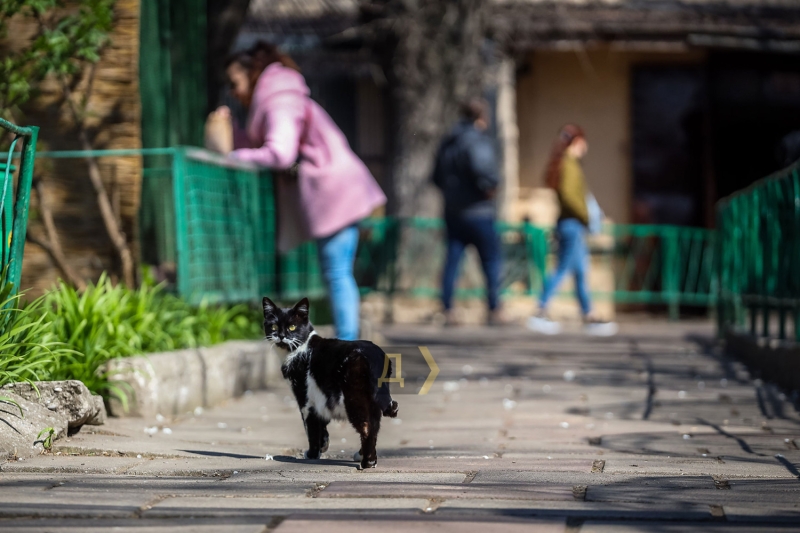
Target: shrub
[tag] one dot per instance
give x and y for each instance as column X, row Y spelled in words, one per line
column 67, row 334
column 28, row 346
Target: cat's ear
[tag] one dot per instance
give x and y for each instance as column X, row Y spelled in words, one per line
column 301, row 308
column 269, row 307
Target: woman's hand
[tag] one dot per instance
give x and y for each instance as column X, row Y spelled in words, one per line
column 222, row 112
column 219, row 131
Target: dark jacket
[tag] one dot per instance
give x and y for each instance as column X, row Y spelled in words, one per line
column 466, row 171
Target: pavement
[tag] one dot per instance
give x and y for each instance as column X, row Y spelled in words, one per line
column 652, row 430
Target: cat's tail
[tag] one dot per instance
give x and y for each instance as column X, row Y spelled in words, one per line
column 392, row 410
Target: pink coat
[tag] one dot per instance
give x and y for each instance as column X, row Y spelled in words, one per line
column 334, row 187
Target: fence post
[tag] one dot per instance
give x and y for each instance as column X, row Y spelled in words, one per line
column 536, row 246
column 21, row 205
column 182, row 238
column 670, row 274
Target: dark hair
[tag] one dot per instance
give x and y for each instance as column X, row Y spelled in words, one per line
column 242, row 58
column 257, row 58
column 474, row 109
column 566, row 136
column 260, row 56
column 265, row 54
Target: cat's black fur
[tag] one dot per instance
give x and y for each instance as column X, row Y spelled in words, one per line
column 331, row 379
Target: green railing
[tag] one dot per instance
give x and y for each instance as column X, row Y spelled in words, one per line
column 417, row 270
column 14, row 208
column 225, row 229
column 209, row 225
column 759, row 266
column 662, row 265
column 206, row 222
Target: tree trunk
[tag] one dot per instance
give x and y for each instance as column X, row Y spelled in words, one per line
column 433, row 55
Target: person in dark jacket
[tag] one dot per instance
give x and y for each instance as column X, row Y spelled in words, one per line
column 466, row 172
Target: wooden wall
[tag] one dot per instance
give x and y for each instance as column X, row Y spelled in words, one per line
column 114, row 122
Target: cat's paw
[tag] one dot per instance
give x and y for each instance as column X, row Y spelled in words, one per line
column 325, row 443
column 392, row 410
column 308, row 454
column 367, row 464
column 357, row 457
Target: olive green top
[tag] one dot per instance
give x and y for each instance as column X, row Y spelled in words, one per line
column 572, row 191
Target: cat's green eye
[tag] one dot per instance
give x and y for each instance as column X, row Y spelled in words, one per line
column 292, row 328
column 274, row 327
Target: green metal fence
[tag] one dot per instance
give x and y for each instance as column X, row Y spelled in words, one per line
column 225, row 229
column 663, row 265
column 209, row 223
column 416, row 271
column 14, row 207
column 759, row 266
column 206, row 222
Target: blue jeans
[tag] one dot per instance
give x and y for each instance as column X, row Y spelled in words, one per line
column 480, row 232
column 573, row 256
column 336, row 256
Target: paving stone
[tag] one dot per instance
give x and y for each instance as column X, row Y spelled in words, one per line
column 358, row 476
column 412, row 524
column 74, row 504
column 216, row 507
column 46, row 525
column 701, row 489
column 490, row 461
column 688, row 527
column 527, row 491
column 741, row 466
column 72, row 464
column 225, row 465
column 575, row 509
column 764, row 513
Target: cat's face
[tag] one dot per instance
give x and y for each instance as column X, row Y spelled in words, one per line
column 289, row 327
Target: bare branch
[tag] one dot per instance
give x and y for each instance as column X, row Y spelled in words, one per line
column 52, row 245
column 113, row 227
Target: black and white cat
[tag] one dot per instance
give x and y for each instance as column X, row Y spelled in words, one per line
column 331, row 379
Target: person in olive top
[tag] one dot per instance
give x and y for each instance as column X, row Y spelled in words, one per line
column 565, row 175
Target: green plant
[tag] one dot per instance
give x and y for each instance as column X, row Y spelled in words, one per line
column 66, row 38
column 28, row 347
column 107, row 321
column 47, row 442
column 68, row 334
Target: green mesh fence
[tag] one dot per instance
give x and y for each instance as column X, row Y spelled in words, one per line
column 205, row 222
column 209, row 226
column 662, row 265
column 380, row 267
column 759, row 267
column 14, row 207
column 224, row 220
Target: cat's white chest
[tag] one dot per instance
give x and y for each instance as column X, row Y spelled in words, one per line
column 319, row 401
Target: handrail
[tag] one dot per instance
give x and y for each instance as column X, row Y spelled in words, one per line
column 22, row 131
column 121, row 152
column 15, row 226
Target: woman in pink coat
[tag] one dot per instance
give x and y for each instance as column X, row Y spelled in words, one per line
column 333, row 189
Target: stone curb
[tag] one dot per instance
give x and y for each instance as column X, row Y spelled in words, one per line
column 175, row 383
column 26, row 409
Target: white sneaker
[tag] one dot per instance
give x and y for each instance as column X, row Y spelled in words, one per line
column 601, row 329
column 544, row 325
